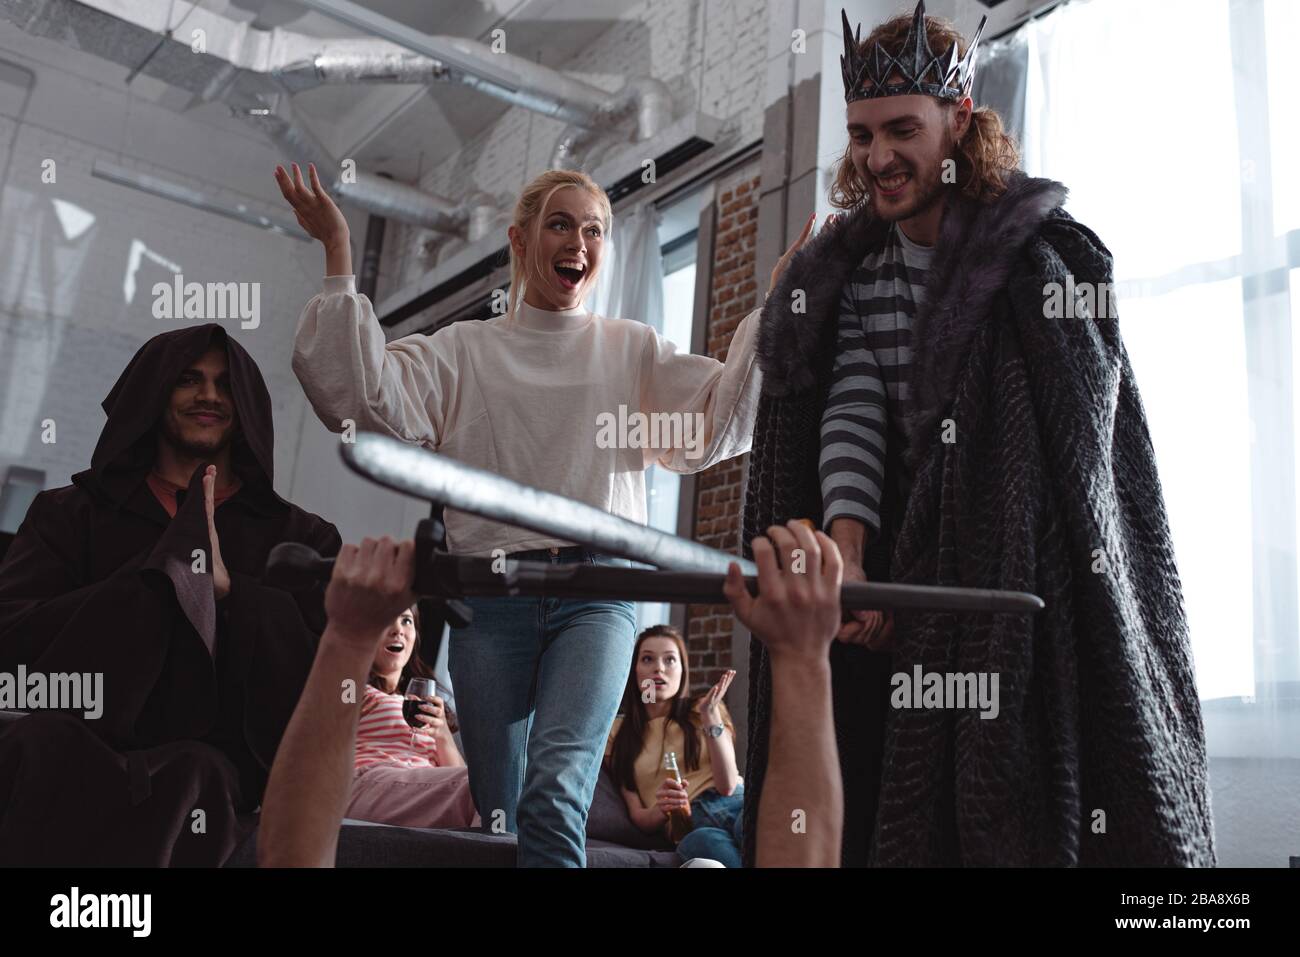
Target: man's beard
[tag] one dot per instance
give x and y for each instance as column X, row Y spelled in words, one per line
column 191, row 449
column 928, row 186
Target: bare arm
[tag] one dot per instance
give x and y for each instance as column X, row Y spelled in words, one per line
column 448, row 754
column 796, row 615
column 319, row 216
column 648, row 819
column 874, row 629
column 722, row 749
column 307, row 792
column 722, row 755
column 338, row 257
column 850, row 537
column 802, row 783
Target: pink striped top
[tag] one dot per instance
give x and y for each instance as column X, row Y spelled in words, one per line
column 384, row 737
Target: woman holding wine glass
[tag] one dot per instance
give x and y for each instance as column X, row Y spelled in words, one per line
column 408, row 770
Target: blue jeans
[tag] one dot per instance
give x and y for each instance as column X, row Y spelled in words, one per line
column 719, row 829
column 533, row 766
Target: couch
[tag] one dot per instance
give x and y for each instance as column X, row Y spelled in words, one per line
column 612, row 839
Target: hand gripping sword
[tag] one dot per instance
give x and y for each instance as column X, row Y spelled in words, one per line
column 685, row 571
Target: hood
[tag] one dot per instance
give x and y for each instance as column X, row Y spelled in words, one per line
column 127, row 445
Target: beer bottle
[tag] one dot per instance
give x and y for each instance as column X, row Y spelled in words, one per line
column 679, row 822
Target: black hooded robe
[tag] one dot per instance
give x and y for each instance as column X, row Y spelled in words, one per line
column 1031, row 469
column 196, row 693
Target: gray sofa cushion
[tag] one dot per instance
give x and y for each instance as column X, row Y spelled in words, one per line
column 612, row 841
column 362, row 844
column 608, row 820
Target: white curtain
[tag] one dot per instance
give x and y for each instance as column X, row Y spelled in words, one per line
column 630, row 284
column 1175, row 129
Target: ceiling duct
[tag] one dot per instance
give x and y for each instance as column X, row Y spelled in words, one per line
column 102, row 169
column 636, row 112
column 238, row 68
column 255, row 72
column 462, row 285
column 138, row 34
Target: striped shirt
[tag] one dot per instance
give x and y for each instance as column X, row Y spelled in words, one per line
column 869, row 395
column 384, row 737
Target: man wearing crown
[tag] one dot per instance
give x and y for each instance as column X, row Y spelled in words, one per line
column 937, row 416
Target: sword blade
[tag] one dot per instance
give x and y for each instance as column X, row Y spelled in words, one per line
column 471, row 577
column 436, row 478
column 416, row 471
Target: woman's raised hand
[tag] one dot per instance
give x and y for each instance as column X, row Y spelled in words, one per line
column 316, row 212
column 710, row 703
column 789, row 253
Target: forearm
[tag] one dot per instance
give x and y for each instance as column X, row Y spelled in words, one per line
column 307, row 793
column 449, row 755
column 850, row 536
column 722, row 756
column 803, row 770
column 338, row 257
column 649, row 819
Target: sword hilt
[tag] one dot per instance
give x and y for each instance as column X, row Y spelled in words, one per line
column 445, row 577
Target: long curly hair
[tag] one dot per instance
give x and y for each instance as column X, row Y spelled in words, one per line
column 985, row 155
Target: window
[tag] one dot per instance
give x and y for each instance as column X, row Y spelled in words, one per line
column 678, row 247
column 1194, row 196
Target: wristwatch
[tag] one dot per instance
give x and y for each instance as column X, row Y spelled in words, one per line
column 715, row 730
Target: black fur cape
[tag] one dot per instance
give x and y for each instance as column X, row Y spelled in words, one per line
column 1047, row 484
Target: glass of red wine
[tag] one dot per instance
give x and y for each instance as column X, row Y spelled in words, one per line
column 418, row 691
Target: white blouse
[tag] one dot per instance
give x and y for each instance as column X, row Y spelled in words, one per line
column 567, row 401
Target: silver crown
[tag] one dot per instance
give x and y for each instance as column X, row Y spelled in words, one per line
column 946, row 76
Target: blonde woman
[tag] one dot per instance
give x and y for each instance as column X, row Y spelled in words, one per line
column 525, row 394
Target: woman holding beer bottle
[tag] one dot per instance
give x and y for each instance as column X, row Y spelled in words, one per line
column 674, row 761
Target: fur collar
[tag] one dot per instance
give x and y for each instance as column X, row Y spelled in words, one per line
column 978, row 245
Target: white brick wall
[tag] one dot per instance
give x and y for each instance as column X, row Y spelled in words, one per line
column 66, row 327
column 711, row 53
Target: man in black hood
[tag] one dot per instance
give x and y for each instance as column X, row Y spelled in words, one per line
column 147, row 569
column 929, row 403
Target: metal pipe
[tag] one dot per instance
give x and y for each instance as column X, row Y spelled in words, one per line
column 177, row 193
column 371, row 252
column 502, row 75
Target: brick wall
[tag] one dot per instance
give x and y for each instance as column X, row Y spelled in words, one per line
column 719, row 490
